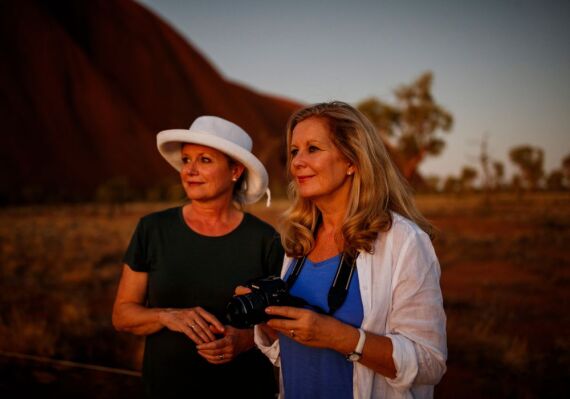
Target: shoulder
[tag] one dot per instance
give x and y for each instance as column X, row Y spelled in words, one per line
column 408, row 239
column 253, row 223
column 159, row 217
column 402, row 226
column 403, row 235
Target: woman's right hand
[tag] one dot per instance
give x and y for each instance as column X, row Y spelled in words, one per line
column 198, row 324
column 241, row 290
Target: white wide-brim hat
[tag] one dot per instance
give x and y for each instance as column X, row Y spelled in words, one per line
column 224, row 136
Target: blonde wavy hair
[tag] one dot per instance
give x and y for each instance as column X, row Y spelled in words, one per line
column 377, row 186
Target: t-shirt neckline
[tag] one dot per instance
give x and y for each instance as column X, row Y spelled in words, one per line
column 325, row 262
column 194, row 232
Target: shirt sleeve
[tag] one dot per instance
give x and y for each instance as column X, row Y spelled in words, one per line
column 268, row 348
column 136, row 256
column 416, row 323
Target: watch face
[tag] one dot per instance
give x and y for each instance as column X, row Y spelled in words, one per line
column 354, row 357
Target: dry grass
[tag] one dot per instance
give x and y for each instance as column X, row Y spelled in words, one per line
column 505, row 281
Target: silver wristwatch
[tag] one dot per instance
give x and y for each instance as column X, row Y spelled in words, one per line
column 357, row 353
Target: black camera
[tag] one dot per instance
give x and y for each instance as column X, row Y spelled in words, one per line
column 245, row 311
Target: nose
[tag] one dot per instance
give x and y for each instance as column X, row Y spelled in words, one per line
column 189, row 168
column 298, row 161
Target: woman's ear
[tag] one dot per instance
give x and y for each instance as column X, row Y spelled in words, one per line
column 351, row 169
column 237, row 171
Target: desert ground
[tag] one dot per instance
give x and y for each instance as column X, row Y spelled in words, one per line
column 505, row 280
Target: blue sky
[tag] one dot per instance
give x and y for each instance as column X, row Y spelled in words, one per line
column 502, row 68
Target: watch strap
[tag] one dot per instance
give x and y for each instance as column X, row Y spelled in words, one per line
column 357, row 353
column 360, row 344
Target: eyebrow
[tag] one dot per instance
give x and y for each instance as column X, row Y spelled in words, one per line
column 199, row 154
column 312, row 141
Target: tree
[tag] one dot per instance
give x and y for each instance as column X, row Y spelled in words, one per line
column 413, row 124
column 516, row 183
column 432, row 183
column 498, row 174
column 451, row 185
column 530, row 162
column 555, row 181
column 484, row 159
column 468, row 175
column 566, row 169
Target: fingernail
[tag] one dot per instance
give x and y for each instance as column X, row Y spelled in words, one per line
column 268, row 310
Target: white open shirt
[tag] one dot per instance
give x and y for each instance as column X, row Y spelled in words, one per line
column 401, row 299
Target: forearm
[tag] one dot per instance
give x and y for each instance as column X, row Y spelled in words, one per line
column 137, row 319
column 377, row 355
column 377, row 351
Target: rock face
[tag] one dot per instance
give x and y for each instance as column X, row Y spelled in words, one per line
column 86, row 85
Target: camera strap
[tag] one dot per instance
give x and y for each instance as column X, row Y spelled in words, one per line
column 339, row 288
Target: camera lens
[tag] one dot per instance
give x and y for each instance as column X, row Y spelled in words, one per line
column 245, row 311
column 235, row 311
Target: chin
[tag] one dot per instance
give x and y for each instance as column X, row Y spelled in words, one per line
column 195, row 196
column 308, row 194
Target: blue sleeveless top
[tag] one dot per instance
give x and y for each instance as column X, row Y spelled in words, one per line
column 315, row 372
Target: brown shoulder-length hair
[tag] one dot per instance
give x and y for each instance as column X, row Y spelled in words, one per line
column 377, row 186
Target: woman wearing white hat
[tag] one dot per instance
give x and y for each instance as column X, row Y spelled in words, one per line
column 183, row 263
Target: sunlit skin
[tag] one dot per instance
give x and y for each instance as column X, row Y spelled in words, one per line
column 324, row 175
column 208, row 178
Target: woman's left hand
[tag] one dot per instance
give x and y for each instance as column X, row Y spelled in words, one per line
column 225, row 349
column 310, row 328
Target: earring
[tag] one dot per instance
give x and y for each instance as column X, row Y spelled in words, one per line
column 349, row 173
column 234, row 178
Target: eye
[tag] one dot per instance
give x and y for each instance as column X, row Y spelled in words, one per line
column 312, row 148
column 294, row 152
column 205, row 160
column 185, row 160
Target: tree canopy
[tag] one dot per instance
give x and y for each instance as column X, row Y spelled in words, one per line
column 530, row 162
column 413, row 123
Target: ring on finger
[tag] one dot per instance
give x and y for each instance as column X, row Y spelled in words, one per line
column 292, row 333
column 193, row 326
column 221, row 357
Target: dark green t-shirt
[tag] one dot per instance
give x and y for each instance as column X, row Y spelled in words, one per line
column 186, row 269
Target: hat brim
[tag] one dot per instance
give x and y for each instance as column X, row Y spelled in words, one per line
column 169, row 145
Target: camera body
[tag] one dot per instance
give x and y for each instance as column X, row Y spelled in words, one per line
column 245, row 311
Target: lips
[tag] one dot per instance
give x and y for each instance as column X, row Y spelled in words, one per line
column 302, row 179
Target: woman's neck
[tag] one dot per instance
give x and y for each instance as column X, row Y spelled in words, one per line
column 333, row 211
column 213, row 218
column 332, row 220
column 329, row 240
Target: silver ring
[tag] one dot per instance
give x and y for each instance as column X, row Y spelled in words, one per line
column 221, row 357
column 292, row 333
column 193, row 326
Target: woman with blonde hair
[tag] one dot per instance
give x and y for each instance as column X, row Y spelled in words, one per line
column 359, row 252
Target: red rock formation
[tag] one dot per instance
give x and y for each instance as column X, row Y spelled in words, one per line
column 85, row 87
